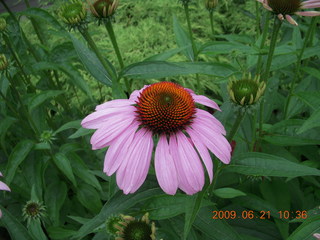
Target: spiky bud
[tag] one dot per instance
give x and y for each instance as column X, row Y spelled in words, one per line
column 3, row 24
column 132, row 229
column 47, row 136
column 33, row 210
column 246, row 91
column 3, row 62
column 211, row 4
column 74, row 14
column 103, row 9
column 113, row 225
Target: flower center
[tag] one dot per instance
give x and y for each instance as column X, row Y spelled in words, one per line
column 285, row 6
column 137, row 231
column 165, row 107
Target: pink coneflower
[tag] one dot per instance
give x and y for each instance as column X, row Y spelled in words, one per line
column 285, row 8
column 164, row 112
column 3, row 187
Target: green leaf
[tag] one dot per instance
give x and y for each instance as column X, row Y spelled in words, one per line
column 60, row 233
column 117, row 204
column 192, row 207
column 312, row 71
column 41, row 97
column 16, row 230
column 89, row 198
column 73, row 124
column 55, row 196
column 277, row 193
column 261, row 164
column 36, row 230
column 81, row 170
column 81, row 132
column 91, row 62
column 214, row 48
column 312, row 99
column 161, row 69
column 44, row 16
column 165, row 55
column 312, row 122
column 73, row 74
column 165, row 206
column 306, row 229
column 228, row 193
column 216, row 229
column 64, row 166
column 183, row 40
column 17, row 156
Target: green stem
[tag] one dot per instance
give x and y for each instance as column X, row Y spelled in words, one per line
column 254, row 125
column 211, row 23
column 215, row 178
column 194, row 49
column 276, row 27
column 298, row 66
column 114, row 42
column 258, row 17
column 84, row 32
column 236, row 125
column 263, row 40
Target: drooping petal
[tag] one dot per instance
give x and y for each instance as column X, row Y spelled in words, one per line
column 1, row 174
column 136, row 93
column 100, row 118
column 306, row 5
column 207, row 118
column 104, row 135
column 217, row 143
column 165, row 168
column 115, row 104
column 189, row 166
column 119, row 149
column 205, row 101
column 4, row 187
column 309, row 13
column 205, row 156
column 291, row 20
column 280, row 16
column 134, row 168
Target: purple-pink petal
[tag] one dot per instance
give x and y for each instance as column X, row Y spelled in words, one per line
column 104, row 135
column 189, row 167
column 217, row 143
column 165, row 168
column 205, row 101
column 311, row 5
column 134, row 168
column 309, row 13
column 106, row 117
column 291, row 20
column 115, row 104
column 118, row 149
column 4, row 187
column 209, row 119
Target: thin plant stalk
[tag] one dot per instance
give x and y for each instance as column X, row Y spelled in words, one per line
column 236, row 124
column 258, row 17
column 84, row 32
column 263, row 40
column 276, row 28
column 211, row 23
column 298, row 66
column 113, row 38
column 194, row 49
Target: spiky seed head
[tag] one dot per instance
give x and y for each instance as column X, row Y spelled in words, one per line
column 211, row 4
column 113, row 225
column 73, row 13
column 132, row 229
column 246, row 91
column 3, row 62
column 285, row 7
column 33, row 210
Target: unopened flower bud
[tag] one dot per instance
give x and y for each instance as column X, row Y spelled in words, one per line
column 103, row 9
column 211, row 4
column 74, row 13
column 246, row 91
column 33, row 210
